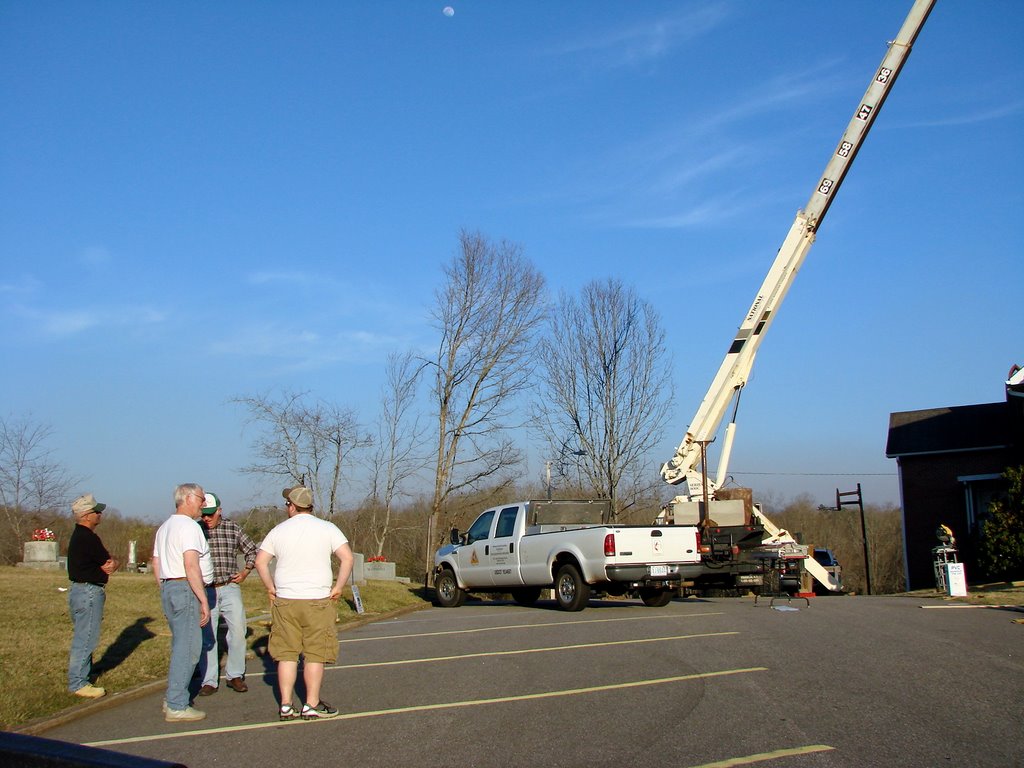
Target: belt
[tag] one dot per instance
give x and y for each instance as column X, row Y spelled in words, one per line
column 222, row 583
column 177, row 578
column 93, row 583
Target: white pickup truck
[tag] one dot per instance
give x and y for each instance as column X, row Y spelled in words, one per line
column 523, row 547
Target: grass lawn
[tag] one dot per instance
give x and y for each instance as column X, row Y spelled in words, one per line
column 1009, row 593
column 134, row 647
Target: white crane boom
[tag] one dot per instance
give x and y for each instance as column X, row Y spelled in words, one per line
column 735, row 368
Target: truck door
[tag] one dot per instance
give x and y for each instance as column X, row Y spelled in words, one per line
column 474, row 564
column 503, row 549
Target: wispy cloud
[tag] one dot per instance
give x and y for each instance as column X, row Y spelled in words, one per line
column 639, row 43
column 65, row 323
column 291, row 348
column 969, row 118
column 666, row 178
column 21, row 286
column 280, row 277
column 57, row 324
column 95, row 256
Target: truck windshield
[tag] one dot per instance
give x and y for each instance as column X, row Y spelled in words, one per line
column 825, row 557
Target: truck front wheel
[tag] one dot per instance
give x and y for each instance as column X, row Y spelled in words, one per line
column 447, row 592
column 571, row 591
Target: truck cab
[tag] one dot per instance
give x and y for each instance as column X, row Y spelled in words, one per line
column 486, row 553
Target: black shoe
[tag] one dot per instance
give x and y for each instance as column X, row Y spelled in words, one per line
column 287, row 713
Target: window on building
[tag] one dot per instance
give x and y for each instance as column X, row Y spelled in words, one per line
column 979, row 492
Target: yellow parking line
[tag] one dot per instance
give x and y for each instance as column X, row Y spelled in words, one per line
column 578, row 646
column 429, row 707
column 527, row 626
column 765, row 756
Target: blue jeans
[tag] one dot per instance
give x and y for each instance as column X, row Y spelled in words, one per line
column 182, row 611
column 226, row 601
column 85, row 604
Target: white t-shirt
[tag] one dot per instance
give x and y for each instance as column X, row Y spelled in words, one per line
column 174, row 538
column 303, row 545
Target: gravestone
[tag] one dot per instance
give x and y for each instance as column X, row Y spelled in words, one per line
column 379, row 570
column 42, row 554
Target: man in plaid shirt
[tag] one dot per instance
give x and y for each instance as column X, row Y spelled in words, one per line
column 225, row 598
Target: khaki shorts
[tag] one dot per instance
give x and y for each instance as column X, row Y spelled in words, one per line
column 306, row 627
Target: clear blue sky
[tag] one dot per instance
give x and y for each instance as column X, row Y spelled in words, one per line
column 210, row 199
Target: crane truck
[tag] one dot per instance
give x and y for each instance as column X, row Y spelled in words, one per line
column 736, row 536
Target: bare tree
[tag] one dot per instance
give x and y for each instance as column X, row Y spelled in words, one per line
column 33, row 485
column 606, row 388
column 304, row 442
column 399, row 453
column 839, row 530
column 487, row 313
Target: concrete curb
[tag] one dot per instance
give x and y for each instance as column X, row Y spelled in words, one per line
column 42, row 724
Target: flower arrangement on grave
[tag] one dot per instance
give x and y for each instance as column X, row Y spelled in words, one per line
column 43, row 534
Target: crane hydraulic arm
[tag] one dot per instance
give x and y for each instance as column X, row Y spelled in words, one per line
column 732, row 375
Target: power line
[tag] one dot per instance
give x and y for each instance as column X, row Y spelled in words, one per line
column 819, row 474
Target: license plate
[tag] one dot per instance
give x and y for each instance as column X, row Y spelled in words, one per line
column 658, row 570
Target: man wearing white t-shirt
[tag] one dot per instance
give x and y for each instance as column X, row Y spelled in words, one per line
column 303, row 599
column 183, row 567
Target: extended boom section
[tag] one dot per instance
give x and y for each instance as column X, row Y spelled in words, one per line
column 735, row 369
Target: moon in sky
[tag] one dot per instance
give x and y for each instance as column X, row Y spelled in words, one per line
column 448, row 11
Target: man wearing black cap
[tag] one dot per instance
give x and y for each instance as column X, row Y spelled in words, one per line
column 89, row 567
column 226, row 539
column 303, row 600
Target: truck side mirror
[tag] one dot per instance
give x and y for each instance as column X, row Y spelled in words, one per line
column 455, row 538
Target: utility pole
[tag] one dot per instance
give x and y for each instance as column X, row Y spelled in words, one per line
column 855, row 497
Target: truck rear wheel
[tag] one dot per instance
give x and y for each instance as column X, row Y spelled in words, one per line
column 657, row 598
column 571, row 591
column 447, row 592
column 526, row 596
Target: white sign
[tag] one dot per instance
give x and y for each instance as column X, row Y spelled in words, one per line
column 956, row 580
column 356, row 597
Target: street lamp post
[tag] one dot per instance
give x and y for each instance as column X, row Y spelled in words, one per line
column 855, row 497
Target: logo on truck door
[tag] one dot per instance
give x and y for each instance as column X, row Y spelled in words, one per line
column 473, row 560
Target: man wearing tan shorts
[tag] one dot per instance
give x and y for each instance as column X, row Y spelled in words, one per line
column 303, row 599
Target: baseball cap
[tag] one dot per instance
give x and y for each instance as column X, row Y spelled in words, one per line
column 210, row 505
column 86, row 503
column 299, row 495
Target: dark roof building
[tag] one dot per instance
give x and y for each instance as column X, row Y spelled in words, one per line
column 950, row 462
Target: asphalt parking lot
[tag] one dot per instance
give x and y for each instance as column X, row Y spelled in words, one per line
column 847, row 681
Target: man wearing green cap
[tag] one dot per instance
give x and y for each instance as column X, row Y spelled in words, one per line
column 89, row 567
column 227, row 540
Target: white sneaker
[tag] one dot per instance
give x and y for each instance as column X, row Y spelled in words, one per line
column 188, row 714
column 90, row 691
